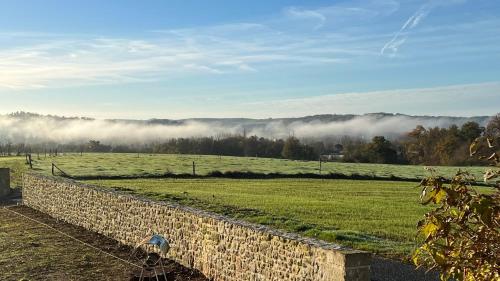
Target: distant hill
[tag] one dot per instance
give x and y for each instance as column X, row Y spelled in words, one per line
column 31, row 127
column 327, row 118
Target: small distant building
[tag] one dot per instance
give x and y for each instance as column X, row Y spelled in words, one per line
column 332, row 157
column 336, row 153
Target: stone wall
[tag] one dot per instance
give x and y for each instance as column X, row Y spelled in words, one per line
column 221, row 248
column 4, row 182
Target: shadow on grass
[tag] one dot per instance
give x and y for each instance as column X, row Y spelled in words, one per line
column 254, row 175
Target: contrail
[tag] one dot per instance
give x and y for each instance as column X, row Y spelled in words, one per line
column 413, row 21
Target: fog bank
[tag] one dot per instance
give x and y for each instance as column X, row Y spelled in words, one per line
column 40, row 129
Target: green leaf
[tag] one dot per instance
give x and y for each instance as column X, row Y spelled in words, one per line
column 440, row 195
column 429, row 229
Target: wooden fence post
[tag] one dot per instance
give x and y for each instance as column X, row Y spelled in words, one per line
column 194, row 169
column 320, row 164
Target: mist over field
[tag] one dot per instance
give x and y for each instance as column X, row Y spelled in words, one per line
column 31, row 128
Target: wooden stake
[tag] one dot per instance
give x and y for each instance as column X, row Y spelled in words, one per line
column 320, row 165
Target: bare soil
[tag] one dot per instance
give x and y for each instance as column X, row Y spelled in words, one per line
column 32, row 251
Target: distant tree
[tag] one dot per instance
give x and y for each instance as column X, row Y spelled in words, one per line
column 252, row 146
column 93, row 145
column 338, row 148
column 184, row 146
column 441, row 146
column 292, row 149
column 493, row 127
column 317, row 147
column 415, row 146
column 493, row 130
column 354, row 150
column 96, row 146
column 446, row 145
column 380, row 150
column 121, row 149
column 470, row 131
column 275, row 148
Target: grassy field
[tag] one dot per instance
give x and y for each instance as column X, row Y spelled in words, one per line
column 379, row 216
column 17, row 166
column 158, row 164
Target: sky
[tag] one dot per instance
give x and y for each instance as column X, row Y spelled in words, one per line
column 258, row 59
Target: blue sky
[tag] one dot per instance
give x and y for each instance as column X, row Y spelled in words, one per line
column 180, row 59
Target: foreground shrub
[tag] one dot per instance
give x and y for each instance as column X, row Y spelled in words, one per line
column 462, row 235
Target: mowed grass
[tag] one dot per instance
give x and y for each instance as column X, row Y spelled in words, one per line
column 122, row 164
column 378, row 216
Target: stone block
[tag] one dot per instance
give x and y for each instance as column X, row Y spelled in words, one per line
column 4, row 182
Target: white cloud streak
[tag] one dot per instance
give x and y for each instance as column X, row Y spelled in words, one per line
column 400, row 37
column 392, row 46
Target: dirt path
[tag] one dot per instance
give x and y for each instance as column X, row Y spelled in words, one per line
column 36, row 252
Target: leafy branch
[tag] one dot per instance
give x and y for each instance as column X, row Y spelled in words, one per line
column 462, row 235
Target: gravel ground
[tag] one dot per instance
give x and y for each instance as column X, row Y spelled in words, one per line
column 390, row 270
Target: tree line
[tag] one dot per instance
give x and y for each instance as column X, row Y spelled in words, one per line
column 424, row 146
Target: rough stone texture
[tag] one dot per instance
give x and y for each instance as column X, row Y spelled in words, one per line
column 4, row 182
column 221, row 248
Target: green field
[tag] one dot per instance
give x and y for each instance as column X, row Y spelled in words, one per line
column 17, row 166
column 379, row 216
column 108, row 164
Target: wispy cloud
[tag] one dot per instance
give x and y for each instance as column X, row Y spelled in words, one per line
column 458, row 100
column 353, row 12
column 40, row 60
column 298, row 13
column 349, row 32
column 69, row 61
